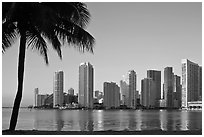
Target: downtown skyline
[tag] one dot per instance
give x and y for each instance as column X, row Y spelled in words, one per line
column 176, row 95
column 157, row 91
column 170, row 37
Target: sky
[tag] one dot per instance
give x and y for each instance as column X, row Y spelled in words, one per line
column 129, row 36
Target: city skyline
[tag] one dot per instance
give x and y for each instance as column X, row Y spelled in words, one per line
column 175, row 93
column 170, row 37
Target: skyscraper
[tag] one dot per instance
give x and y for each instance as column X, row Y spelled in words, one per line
column 191, row 82
column 86, row 74
column 177, row 91
column 71, row 91
column 163, row 91
column 111, row 95
column 168, row 86
column 132, row 81
column 200, row 83
column 124, row 92
column 96, row 93
column 156, row 77
column 39, row 99
column 58, row 96
column 148, row 92
column 36, row 92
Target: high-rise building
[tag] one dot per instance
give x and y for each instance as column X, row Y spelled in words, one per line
column 156, row 77
column 111, row 95
column 86, row 82
column 132, row 81
column 138, row 98
column 124, row 92
column 200, row 83
column 177, row 92
column 163, row 91
column 71, row 91
column 58, row 96
column 49, row 100
column 100, row 95
column 36, row 92
column 39, row 99
column 96, row 93
column 148, row 92
column 168, row 86
column 191, row 82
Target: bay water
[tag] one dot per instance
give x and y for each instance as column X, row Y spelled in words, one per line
column 99, row 120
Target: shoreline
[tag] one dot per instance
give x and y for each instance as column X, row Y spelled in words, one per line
column 142, row 109
column 106, row 132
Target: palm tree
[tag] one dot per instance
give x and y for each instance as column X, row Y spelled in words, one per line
column 38, row 23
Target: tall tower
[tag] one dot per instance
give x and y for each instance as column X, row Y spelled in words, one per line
column 111, row 95
column 124, row 92
column 168, row 86
column 58, row 96
column 191, row 82
column 36, row 92
column 148, row 92
column 156, row 77
column 200, row 83
column 132, row 81
column 177, row 91
column 86, row 74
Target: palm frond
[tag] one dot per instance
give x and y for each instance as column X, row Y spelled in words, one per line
column 9, row 35
column 44, row 19
column 50, row 35
column 12, row 11
column 83, row 14
column 58, row 22
column 36, row 41
column 74, row 11
column 75, row 35
column 5, row 9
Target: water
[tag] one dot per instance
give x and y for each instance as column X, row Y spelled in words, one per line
column 96, row 120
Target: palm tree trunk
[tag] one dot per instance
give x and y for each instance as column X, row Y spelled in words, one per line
column 18, row 98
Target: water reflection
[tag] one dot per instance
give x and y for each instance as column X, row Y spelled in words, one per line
column 123, row 120
column 43, row 120
column 132, row 119
column 86, row 120
column 58, row 119
column 170, row 121
column 149, row 119
column 96, row 120
column 167, row 120
column 36, row 123
column 176, row 117
column 139, row 120
column 193, row 121
column 174, row 120
column 90, row 125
